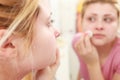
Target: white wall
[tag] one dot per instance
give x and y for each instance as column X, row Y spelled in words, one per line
column 64, row 12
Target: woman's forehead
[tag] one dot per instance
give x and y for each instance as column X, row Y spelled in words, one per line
column 101, row 8
column 45, row 6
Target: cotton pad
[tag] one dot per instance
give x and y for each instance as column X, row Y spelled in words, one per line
column 78, row 35
column 90, row 33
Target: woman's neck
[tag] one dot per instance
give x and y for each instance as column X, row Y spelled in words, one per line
column 8, row 72
column 8, row 75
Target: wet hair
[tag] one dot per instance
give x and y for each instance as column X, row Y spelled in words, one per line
column 18, row 16
column 86, row 3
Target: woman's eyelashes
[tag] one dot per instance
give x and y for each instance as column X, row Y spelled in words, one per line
column 108, row 19
column 50, row 23
column 104, row 19
column 91, row 19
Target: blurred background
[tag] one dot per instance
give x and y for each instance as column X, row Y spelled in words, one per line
column 64, row 16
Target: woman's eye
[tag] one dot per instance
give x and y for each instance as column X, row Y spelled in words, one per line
column 50, row 23
column 108, row 20
column 91, row 19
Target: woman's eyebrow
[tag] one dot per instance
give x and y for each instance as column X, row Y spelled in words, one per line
column 108, row 14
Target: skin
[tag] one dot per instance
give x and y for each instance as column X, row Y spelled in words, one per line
column 42, row 56
column 44, row 37
column 94, row 50
column 104, row 22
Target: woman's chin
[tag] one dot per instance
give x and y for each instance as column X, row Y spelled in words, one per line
column 98, row 43
column 51, row 60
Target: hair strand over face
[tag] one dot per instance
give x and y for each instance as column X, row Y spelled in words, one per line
column 23, row 13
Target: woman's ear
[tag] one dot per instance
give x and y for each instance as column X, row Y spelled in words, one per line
column 7, row 49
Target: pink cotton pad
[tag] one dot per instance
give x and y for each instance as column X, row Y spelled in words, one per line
column 75, row 39
column 78, row 35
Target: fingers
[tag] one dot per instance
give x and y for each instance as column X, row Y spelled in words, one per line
column 57, row 62
column 81, row 47
column 84, row 45
column 49, row 72
column 88, row 44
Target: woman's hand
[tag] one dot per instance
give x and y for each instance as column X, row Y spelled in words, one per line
column 86, row 50
column 49, row 72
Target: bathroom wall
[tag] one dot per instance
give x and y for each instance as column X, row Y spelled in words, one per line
column 64, row 14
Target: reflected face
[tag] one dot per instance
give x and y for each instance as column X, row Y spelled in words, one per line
column 102, row 20
column 44, row 38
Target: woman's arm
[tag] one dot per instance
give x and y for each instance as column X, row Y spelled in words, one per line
column 95, row 72
column 78, row 77
column 89, row 54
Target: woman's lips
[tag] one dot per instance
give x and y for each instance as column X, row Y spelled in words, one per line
column 98, row 36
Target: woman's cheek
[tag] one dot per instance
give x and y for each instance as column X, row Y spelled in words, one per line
column 50, row 48
column 53, row 51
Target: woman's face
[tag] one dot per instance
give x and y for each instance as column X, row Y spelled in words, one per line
column 44, row 38
column 102, row 20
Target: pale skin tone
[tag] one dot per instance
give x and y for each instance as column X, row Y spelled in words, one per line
column 94, row 50
column 49, row 71
column 42, row 56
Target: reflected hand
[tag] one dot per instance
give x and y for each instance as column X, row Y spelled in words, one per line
column 86, row 50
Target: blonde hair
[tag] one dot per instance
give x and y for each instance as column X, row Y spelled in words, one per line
column 18, row 16
column 86, row 3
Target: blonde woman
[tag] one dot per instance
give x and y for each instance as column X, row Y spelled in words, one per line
column 27, row 40
column 99, row 53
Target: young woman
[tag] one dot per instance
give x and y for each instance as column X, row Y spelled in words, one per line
column 27, row 40
column 99, row 54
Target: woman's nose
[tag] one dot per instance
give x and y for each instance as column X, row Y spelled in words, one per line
column 99, row 26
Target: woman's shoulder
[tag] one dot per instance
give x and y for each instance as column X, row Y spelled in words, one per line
column 116, row 49
column 117, row 43
column 115, row 52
